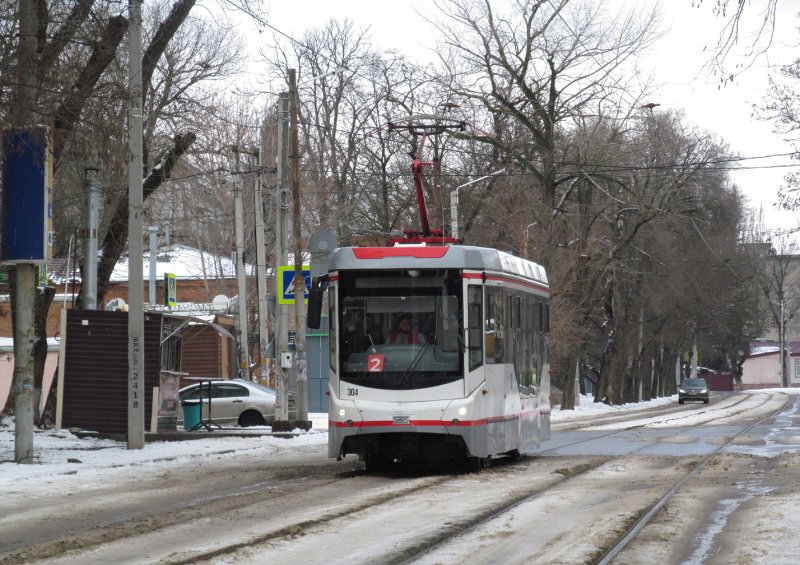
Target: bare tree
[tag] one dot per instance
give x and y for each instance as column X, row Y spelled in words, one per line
column 755, row 22
column 76, row 47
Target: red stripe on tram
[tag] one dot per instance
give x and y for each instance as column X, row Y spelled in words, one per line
column 425, row 423
column 383, row 252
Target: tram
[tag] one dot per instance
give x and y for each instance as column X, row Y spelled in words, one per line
column 438, row 351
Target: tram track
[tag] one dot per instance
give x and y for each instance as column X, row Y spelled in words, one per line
column 595, row 421
column 281, row 515
column 609, row 555
column 648, row 422
column 487, row 514
column 605, row 556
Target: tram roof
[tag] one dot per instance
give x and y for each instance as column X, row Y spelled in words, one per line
column 436, row 257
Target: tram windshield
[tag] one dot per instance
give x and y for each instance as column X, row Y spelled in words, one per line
column 400, row 329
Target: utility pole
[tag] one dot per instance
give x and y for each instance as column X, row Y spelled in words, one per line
column 454, row 201
column 153, row 244
column 238, row 212
column 91, row 214
column 437, row 215
column 135, row 246
column 25, row 273
column 784, row 380
column 281, row 321
column 261, row 271
column 299, row 280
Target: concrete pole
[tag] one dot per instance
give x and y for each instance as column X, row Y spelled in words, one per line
column 135, row 247
column 91, row 216
column 23, row 364
column 299, row 281
column 261, row 273
column 784, row 380
column 437, row 212
column 151, row 291
column 25, row 286
column 281, row 322
column 454, row 200
column 241, row 275
column 454, row 213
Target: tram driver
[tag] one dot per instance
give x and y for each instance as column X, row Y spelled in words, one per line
column 405, row 332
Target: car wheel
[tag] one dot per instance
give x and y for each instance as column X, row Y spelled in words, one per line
column 705, row 401
column 250, row 418
column 680, row 401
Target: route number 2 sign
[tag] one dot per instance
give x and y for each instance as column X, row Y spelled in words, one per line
column 375, row 363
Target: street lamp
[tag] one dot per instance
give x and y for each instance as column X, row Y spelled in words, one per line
column 454, row 200
column 525, row 246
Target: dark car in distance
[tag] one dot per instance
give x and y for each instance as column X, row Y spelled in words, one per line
column 693, row 389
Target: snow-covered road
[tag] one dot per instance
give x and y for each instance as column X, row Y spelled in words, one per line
column 262, row 498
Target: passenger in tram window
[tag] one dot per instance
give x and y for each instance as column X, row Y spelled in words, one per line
column 405, row 332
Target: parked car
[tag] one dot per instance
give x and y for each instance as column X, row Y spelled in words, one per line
column 235, row 402
column 693, row 389
column 702, row 371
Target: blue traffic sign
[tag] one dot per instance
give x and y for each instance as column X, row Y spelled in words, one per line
column 286, row 283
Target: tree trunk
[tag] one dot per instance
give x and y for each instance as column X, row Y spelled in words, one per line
column 43, row 300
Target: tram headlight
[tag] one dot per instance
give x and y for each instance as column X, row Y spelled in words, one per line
column 342, row 412
column 462, row 411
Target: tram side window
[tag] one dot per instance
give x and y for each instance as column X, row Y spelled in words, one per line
column 495, row 327
column 510, row 349
column 474, row 317
column 546, row 318
column 523, row 351
column 333, row 325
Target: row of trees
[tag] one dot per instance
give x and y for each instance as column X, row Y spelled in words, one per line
column 628, row 207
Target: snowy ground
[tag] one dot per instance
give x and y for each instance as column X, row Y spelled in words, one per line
column 60, row 452
column 86, row 477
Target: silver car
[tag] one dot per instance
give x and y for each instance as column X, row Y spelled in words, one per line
column 233, row 402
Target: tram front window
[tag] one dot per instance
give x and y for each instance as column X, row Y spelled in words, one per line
column 400, row 329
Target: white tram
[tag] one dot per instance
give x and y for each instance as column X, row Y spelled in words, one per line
column 437, row 353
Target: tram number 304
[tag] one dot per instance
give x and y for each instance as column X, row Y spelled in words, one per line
column 352, row 392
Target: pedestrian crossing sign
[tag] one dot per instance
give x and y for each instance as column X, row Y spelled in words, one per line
column 286, row 283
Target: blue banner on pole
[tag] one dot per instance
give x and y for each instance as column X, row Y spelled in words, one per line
column 27, row 221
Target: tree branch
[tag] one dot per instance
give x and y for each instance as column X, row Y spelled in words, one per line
column 61, row 38
column 70, row 109
column 117, row 234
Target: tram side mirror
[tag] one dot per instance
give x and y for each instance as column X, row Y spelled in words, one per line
column 315, row 295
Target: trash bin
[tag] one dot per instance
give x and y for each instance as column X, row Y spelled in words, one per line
column 191, row 414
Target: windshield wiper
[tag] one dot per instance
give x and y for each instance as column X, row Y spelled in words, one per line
column 413, row 365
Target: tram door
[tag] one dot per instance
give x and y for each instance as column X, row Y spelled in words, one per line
column 474, row 338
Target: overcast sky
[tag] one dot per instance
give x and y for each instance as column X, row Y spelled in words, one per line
column 677, row 60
